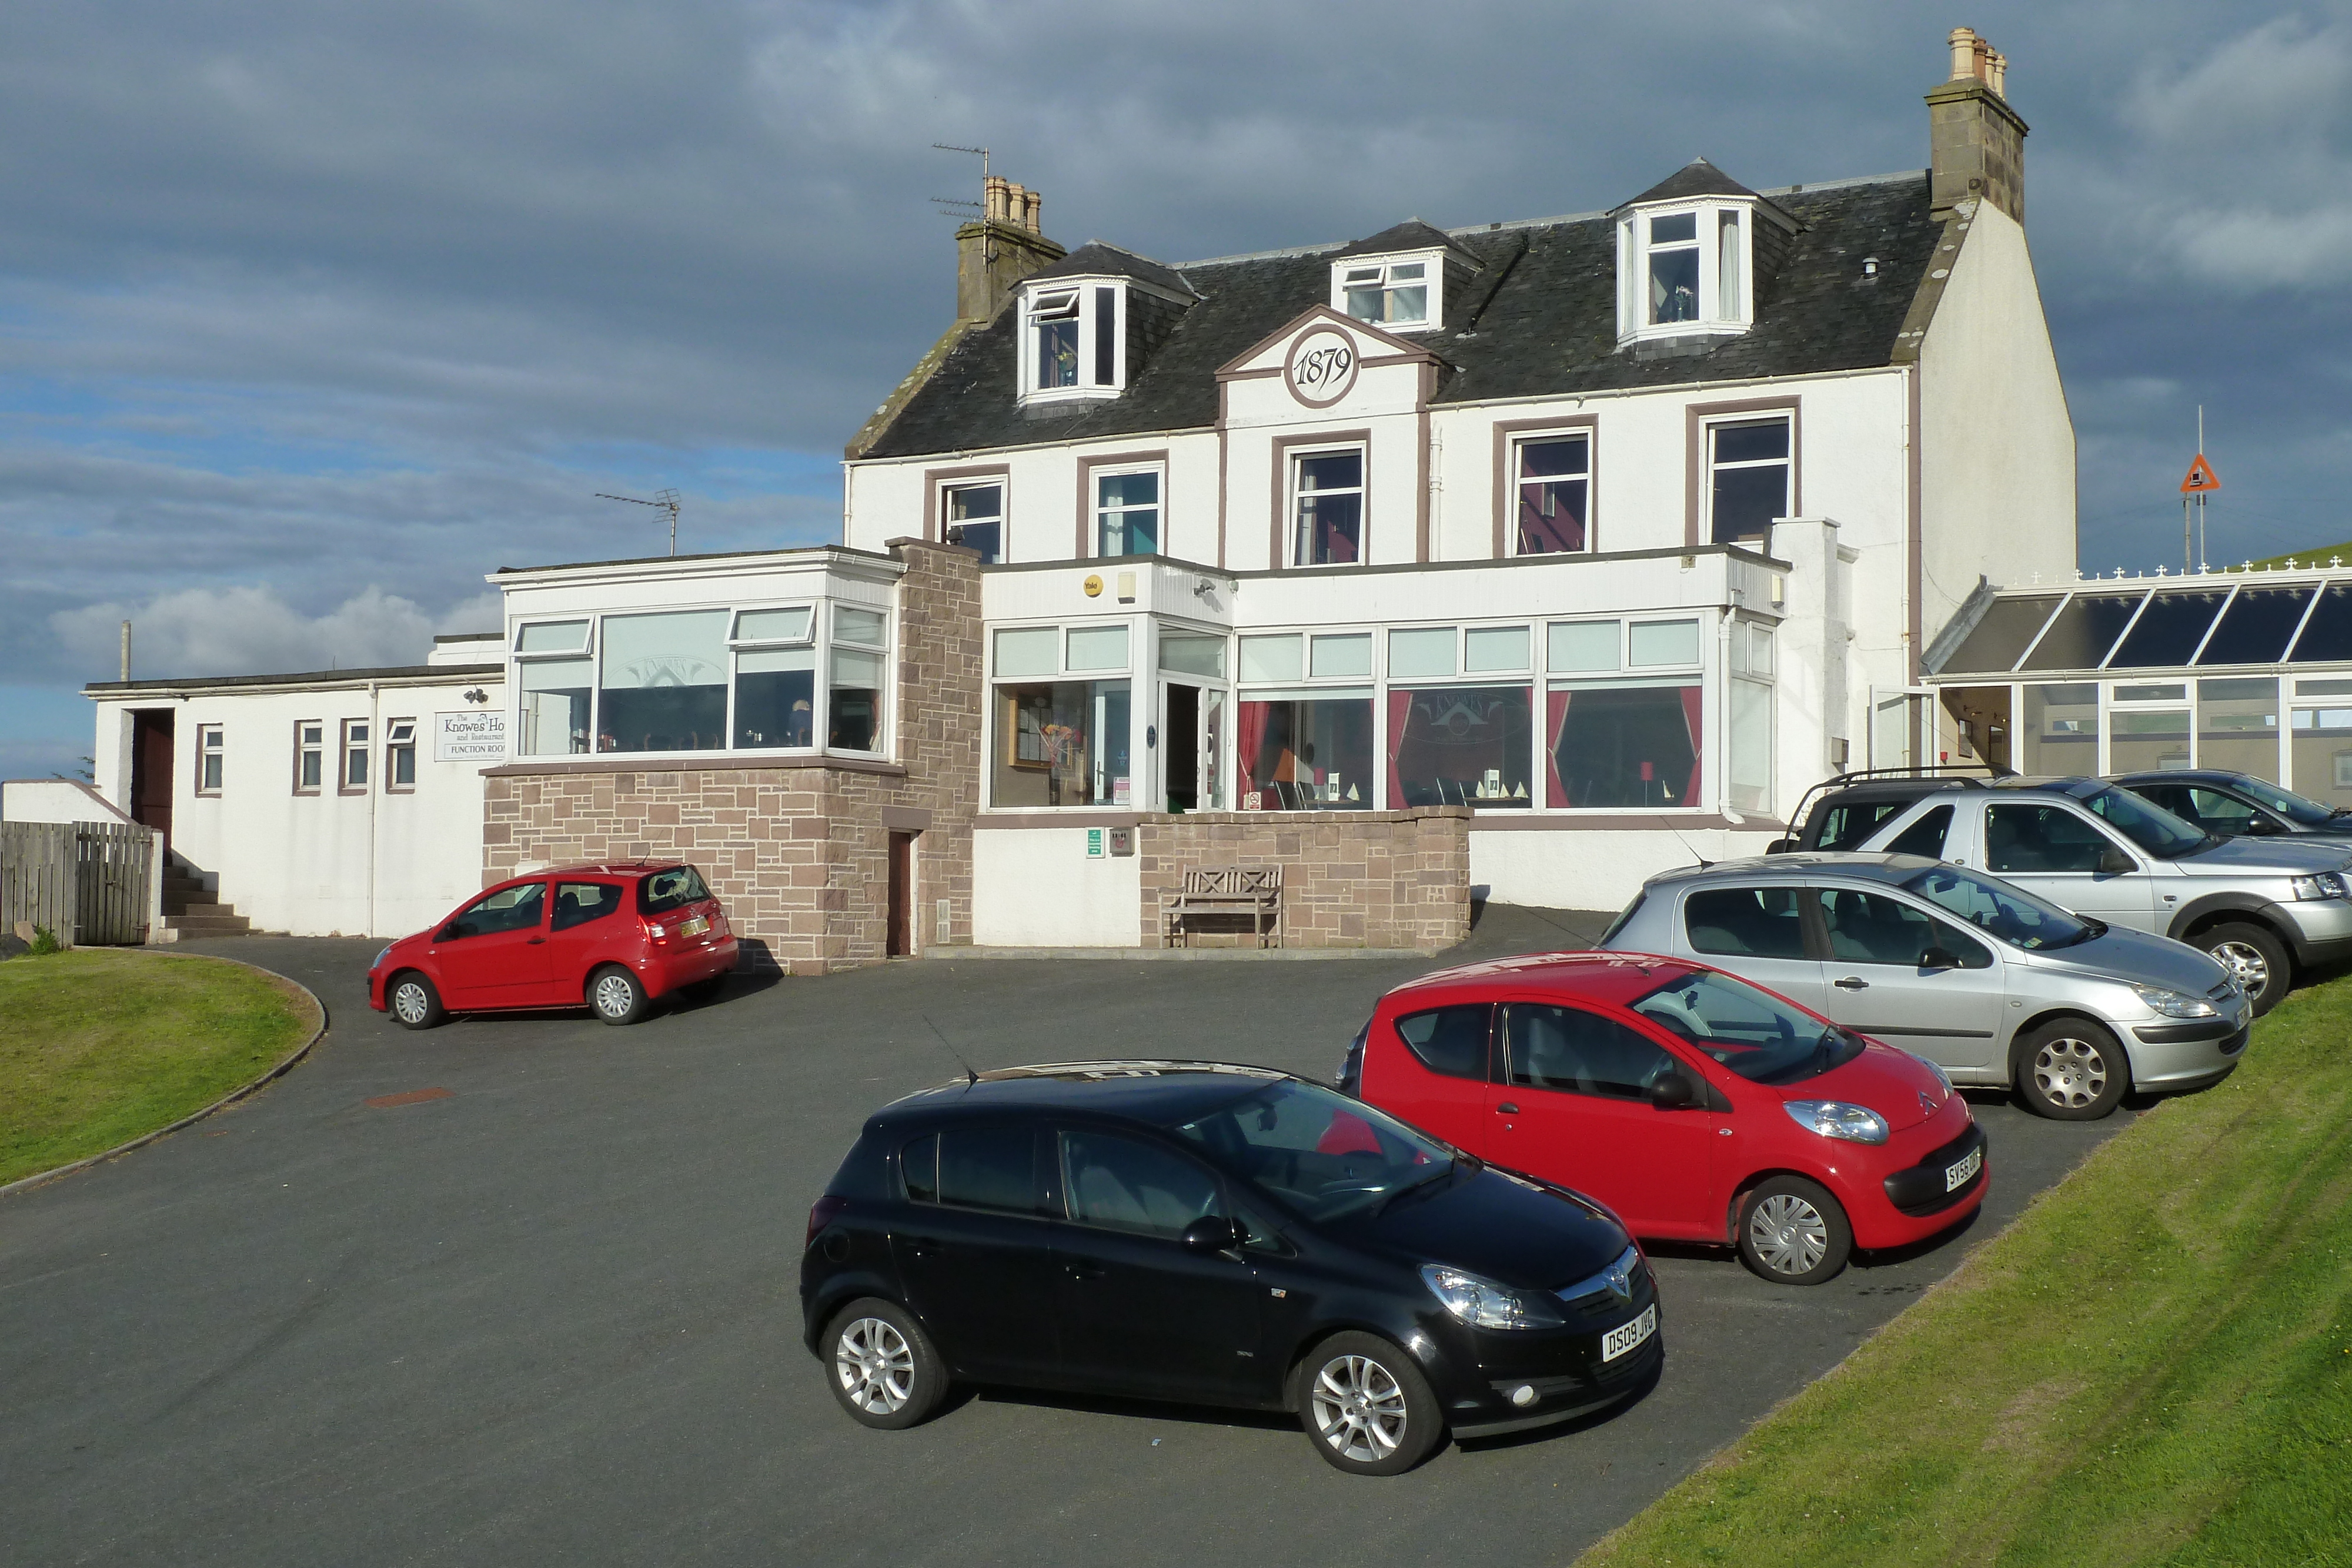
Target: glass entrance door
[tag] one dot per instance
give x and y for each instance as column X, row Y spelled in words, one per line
column 1191, row 722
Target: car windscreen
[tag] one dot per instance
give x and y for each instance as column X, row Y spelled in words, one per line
column 1748, row 1029
column 1321, row 1153
column 2146, row 823
column 672, row 889
column 2294, row 807
column 2014, row 915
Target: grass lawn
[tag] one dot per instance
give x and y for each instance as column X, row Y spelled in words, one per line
column 99, row 1045
column 2153, row 1366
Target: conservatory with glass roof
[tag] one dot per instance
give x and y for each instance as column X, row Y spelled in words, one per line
column 2243, row 670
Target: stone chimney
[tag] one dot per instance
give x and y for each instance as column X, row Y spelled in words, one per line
column 1001, row 248
column 1976, row 142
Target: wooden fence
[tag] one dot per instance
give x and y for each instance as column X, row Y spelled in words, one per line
column 88, row 882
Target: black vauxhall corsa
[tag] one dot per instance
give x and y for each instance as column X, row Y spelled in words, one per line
column 1217, row 1235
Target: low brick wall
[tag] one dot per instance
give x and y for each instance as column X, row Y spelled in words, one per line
column 1364, row 878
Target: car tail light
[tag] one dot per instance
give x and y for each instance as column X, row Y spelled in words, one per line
column 822, row 1213
column 657, row 930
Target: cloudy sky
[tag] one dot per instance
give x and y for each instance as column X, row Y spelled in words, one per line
column 312, row 315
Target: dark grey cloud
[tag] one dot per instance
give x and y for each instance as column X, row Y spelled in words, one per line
column 310, row 316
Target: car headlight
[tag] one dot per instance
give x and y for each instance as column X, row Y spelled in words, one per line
column 1936, row 1067
column 2326, row 884
column 1836, row 1119
column 1482, row 1303
column 2174, row 1004
column 380, row 957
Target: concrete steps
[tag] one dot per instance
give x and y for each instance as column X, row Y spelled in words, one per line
column 191, row 909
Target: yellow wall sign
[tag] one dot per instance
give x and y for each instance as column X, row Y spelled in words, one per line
column 1093, row 587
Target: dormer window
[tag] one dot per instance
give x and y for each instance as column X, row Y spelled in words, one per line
column 1392, row 294
column 1072, row 338
column 1689, row 253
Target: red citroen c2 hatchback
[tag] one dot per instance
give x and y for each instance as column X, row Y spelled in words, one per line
column 1698, row 1106
column 613, row 937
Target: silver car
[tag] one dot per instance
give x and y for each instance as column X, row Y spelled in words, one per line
column 1991, row 983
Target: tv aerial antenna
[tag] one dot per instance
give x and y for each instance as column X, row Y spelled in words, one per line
column 665, row 500
column 950, row 205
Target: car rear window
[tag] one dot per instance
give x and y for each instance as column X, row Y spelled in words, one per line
column 973, row 1168
column 1450, row 1041
column 668, row 890
column 1847, row 823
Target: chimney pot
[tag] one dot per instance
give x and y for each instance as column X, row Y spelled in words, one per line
column 1965, row 44
column 1976, row 142
column 993, row 255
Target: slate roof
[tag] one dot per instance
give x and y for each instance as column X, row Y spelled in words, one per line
column 1096, row 259
column 1411, row 234
column 1697, row 178
column 1539, row 319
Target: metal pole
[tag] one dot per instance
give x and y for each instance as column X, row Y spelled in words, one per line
column 126, row 650
column 2200, row 494
column 2188, row 558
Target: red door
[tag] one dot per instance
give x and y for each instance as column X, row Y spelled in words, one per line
column 493, row 953
column 1432, row 1070
column 151, row 770
column 1574, row 1107
column 587, row 930
column 898, row 940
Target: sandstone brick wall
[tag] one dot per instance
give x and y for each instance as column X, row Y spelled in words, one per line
column 1361, row 879
column 798, row 850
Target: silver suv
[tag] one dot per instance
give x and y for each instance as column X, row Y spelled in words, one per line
column 2264, row 907
column 1992, row 985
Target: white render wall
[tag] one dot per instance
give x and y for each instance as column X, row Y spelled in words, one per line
column 376, row 864
column 1598, row 869
column 1035, row 887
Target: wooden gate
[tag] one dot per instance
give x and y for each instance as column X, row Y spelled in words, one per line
column 87, row 881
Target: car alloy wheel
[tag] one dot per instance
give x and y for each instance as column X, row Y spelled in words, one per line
column 876, row 1365
column 615, row 994
column 1360, row 1409
column 1788, row 1234
column 410, row 1003
column 2070, row 1072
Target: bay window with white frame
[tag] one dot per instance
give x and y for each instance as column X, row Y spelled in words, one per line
column 1304, row 739
column 1460, row 702
column 1062, row 716
column 1686, row 267
column 1624, row 714
column 776, row 678
column 1073, row 336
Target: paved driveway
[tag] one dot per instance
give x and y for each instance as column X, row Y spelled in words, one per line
column 552, row 1317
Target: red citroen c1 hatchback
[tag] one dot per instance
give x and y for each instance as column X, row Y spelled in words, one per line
column 613, row 938
column 1699, row 1106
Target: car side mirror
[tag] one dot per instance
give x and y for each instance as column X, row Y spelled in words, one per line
column 2263, row 827
column 1779, row 846
column 1673, row 1092
column 2113, row 861
column 1939, row 958
column 1212, row 1233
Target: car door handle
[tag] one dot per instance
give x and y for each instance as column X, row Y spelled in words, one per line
column 1507, row 1109
column 534, row 941
column 1087, row 1269
column 1851, row 983
column 923, row 1245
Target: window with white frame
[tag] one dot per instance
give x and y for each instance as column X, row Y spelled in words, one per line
column 760, row 678
column 974, row 517
column 310, row 756
column 1399, row 293
column 1750, row 688
column 352, row 776
column 1305, row 741
column 1685, row 268
column 1749, row 464
column 1327, row 492
column 1063, row 711
column 1624, row 710
column 1554, row 479
column 211, row 748
column 400, row 755
column 1073, row 334
column 1127, row 512
column 1460, row 701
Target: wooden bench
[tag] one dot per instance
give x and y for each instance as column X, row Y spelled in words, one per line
column 1254, row 891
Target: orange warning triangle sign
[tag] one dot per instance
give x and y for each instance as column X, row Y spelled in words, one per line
column 2201, row 478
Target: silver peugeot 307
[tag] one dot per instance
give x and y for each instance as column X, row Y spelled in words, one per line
column 1991, row 983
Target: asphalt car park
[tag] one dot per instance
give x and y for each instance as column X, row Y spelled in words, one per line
column 553, row 1313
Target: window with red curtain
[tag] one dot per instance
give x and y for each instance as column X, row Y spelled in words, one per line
column 1623, row 747
column 1308, row 753
column 1460, row 745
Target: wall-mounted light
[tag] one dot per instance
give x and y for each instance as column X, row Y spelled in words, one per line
column 478, row 695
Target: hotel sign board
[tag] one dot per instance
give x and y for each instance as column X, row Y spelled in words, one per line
column 472, row 737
